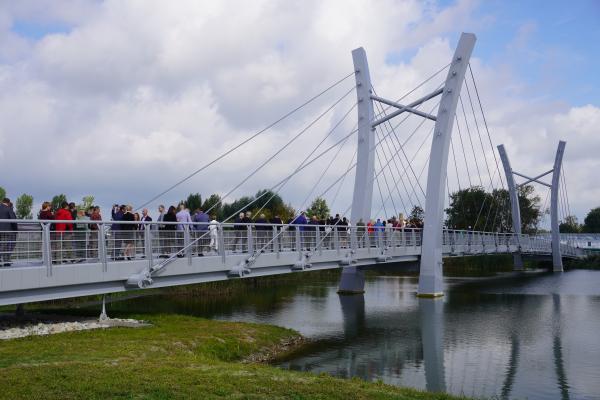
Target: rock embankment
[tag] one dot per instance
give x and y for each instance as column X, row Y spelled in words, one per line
column 12, row 328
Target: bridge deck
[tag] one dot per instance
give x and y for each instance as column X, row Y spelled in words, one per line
column 50, row 265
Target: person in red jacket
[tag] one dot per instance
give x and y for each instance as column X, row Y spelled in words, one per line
column 64, row 234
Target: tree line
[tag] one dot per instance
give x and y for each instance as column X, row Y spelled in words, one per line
column 477, row 209
column 472, row 208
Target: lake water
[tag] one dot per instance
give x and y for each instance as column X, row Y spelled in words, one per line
column 534, row 336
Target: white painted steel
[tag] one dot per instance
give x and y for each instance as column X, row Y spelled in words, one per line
column 365, row 156
column 514, row 202
column 104, row 271
column 556, row 248
column 430, row 276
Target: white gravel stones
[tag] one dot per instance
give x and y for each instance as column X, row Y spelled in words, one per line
column 51, row 327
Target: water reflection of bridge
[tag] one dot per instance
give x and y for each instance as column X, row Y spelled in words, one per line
column 481, row 355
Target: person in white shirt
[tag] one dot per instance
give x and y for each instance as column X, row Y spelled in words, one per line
column 214, row 234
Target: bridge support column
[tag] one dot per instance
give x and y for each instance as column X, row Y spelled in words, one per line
column 430, row 276
column 514, row 206
column 365, row 160
column 352, row 281
column 557, row 264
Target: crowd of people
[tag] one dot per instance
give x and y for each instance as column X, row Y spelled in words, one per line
column 77, row 241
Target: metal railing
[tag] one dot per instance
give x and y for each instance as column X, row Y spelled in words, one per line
column 41, row 243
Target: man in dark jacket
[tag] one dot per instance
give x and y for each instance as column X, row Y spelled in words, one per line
column 8, row 232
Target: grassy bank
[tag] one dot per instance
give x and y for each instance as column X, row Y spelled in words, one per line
column 176, row 358
column 590, row 262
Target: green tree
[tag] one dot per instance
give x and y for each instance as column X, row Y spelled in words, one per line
column 213, row 203
column 2, row 193
column 476, row 209
column 23, row 206
column 231, row 209
column 465, row 208
column 86, row 203
column 268, row 202
column 318, row 208
column 569, row 225
column 591, row 223
column 193, row 202
column 416, row 217
column 57, row 201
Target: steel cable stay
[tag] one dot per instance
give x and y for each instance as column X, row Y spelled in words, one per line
column 395, row 181
column 337, row 192
column 493, row 188
column 252, row 137
column 483, row 204
column 387, row 124
column 455, row 164
column 280, row 187
column 462, row 145
column 563, row 196
column 564, row 181
column 506, row 205
column 412, row 91
column 292, row 140
column 409, row 163
column 470, row 140
column 391, row 130
column 402, row 145
column 396, row 184
column 386, row 181
column 415, row 155
column 380, row 194
column 244, row 265
column 477, row 129
column 331, row 107
column 146, row 276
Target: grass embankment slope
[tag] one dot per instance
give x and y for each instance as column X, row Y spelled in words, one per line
column 179, row 357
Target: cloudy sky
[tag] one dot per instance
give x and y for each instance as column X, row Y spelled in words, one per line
column 120, row 99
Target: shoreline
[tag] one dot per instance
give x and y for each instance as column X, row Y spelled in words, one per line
column 175, row 357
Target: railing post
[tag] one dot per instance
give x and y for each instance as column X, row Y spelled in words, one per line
column 102, row 246
column 275, row 242
column 298, row 240
column 47, row 248
column 336, row 238
column 353, row 243
column 414, row 238
column 221, row 240
column 148, row 244
column 250, row 240
column 402, row 239
column 318, row 239
column 186, row 243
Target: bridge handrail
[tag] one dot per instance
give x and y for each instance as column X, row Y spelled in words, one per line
column 35, row 241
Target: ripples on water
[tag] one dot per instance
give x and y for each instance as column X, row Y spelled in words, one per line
column 530, row 336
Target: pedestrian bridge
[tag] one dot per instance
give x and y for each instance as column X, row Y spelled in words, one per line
column 46, row 264
column 49, row 265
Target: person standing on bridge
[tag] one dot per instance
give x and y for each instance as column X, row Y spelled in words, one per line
column 170, row 230
column 64, row 233
column 129, row 232
column 95, row 232
column 183, row 215
column 201, row 231
column 6, row 232
column 160, row 233
column 214, row 234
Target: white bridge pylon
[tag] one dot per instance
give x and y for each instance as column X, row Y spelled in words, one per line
column 557, row 264
column 430, row 276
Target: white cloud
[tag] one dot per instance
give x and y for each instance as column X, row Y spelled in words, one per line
column 135, row 95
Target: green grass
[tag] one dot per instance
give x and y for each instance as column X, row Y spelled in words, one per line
column 178, row 357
